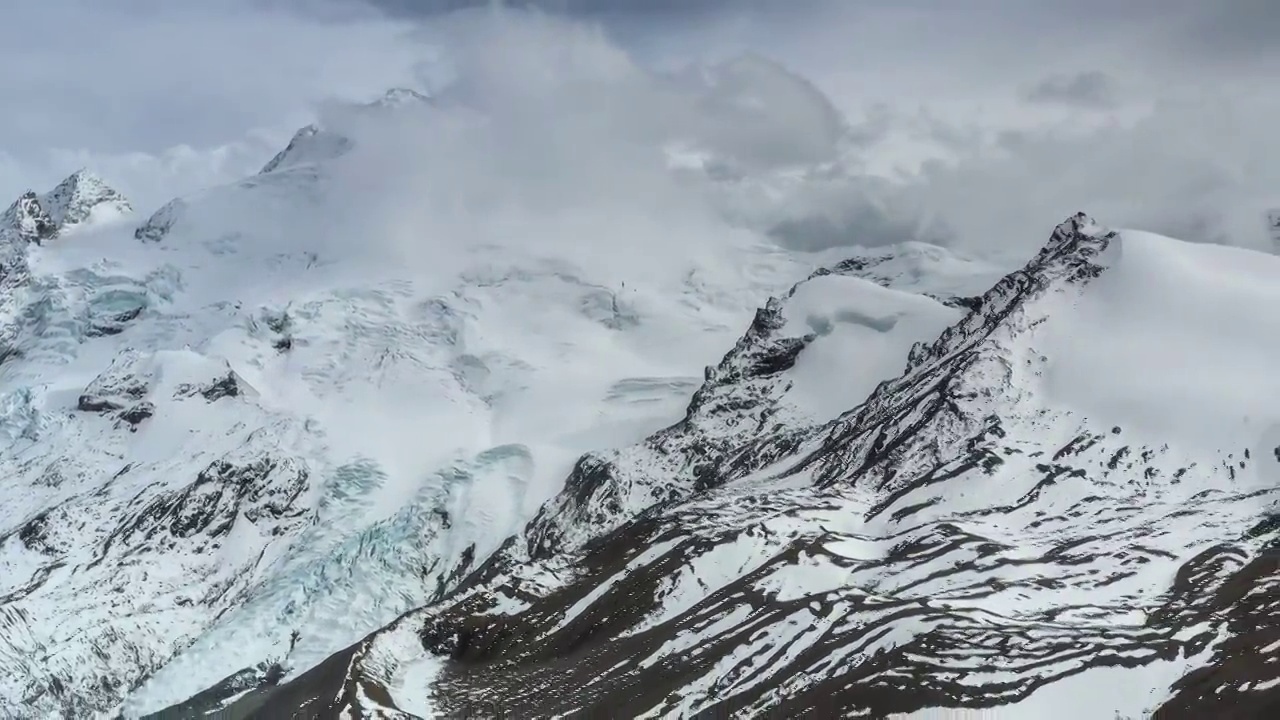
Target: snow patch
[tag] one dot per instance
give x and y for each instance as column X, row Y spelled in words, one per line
column 862, row 333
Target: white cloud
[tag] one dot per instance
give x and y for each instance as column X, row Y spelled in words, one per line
column 177, row 94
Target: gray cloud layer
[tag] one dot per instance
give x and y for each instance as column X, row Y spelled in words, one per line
column 1149, row 112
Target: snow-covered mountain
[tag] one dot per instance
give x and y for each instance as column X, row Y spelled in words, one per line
column 338, row 437
column 1059, row 502
column 83, row 195
column 242, row 433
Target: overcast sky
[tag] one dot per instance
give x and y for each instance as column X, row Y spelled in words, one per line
column 1158, row 113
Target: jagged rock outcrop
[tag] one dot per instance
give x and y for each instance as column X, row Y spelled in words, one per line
column 124, row 382
column 38, row 219
column 308, row 144
column 311, row 145
column 744, row 416
column 27, row 219
column 195, row 544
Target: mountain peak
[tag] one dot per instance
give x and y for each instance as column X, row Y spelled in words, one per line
column 1078, row 235
column 399, row 97
column 37, row 218
column 315, row 143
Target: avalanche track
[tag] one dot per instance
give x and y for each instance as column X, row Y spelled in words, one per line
column 1009, row 520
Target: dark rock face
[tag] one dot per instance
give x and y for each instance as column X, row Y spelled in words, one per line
column 171, row 532
column 39, row 218
column 30, row 220
column 35, row 534
column 90, row 403
column 226, row 386
column 264, row 489
column 264, row 675
column 946, row 544
column 308, row 142
column 1224, row 592
column 113, row 325
column 313, row 143
column 136, row 414
column 223, row 387
column 121, row 385
column 280, row 325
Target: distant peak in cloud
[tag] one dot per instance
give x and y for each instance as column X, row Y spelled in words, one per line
column 1090, row 89
column 396, row 97
column 75, row 197
column 37, row 218
column 314, row 142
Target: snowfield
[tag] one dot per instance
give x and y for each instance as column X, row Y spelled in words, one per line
column 1170, row 326
column 864, row 332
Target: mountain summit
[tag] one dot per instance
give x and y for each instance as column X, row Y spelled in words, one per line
column 35, row 219
column 40, row 218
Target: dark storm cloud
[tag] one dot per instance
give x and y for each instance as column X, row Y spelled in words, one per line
column 1235, row 29
column 1225, row 30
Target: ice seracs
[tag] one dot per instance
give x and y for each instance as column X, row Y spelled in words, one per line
column 35, row 219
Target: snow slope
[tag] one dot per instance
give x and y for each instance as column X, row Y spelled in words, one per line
column 982, row 531
column 863, row 331
column 1166, row 312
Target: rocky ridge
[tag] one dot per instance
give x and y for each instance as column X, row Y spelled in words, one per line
column 951, row 542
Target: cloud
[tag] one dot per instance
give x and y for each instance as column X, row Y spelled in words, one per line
column 1088, row 89
column 1202, row 169
column 913, row 115
column 149, row 88
column 547, row 137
